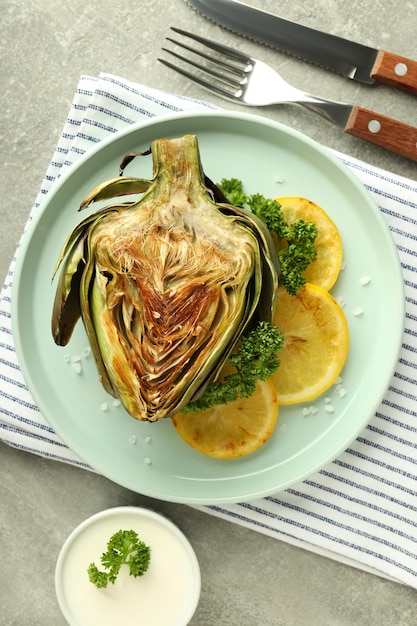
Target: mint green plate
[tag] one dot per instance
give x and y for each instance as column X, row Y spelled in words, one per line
column 151, row 458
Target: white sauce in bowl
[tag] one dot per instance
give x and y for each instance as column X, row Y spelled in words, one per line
column 166, row 595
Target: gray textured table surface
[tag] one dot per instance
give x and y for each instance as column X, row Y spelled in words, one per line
column 247, row 578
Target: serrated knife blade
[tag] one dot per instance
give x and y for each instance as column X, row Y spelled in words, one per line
column 351, row 59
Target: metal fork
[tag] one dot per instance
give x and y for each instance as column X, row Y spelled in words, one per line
column 239, row 78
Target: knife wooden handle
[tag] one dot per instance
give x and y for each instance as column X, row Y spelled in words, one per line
column 383, row 131
column 396, row 71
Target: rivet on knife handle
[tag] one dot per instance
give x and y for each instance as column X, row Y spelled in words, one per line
column 396, row 71
column 383, row 131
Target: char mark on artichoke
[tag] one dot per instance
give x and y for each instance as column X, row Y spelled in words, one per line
column 165, row 285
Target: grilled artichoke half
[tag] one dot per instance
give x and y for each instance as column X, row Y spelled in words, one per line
column 165, row 285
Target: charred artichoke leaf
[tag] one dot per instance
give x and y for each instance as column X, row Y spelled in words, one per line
column 169, row 284
column 84, row 295
column 66, row 309
column 119, row 186
column 270, row 269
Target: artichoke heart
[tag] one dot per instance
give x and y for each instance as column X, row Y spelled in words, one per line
column 165, row 285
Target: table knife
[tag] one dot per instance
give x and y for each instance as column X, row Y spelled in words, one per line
column 348, row 58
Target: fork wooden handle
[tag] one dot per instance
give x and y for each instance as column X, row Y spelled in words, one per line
column 396, row 71
column 383, row 131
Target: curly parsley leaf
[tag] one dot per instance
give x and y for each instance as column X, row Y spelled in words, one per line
column 123, row 548
column 233, row 190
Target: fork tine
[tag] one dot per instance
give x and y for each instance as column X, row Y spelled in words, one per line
column 200, row 81
column 206, row 69
column 227, row 66
column 229, row 52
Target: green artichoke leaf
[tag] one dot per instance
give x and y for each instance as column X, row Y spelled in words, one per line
column 166, row 285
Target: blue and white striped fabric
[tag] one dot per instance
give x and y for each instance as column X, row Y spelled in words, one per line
column 362, row 508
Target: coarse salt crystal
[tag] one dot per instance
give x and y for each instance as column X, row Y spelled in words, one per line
column 306, row 412
column 341, row 302
column 279, row 179
column 314, row 410
column 329, row 408
column 132, row 440
column 327, row 400
column 365, row 280
column 104, row 407
column 147, row 460
column 148, row 439
column 358, row 311
column 116, row 402
column 76, row 366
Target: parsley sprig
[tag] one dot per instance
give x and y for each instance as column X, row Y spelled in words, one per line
column 123, row 548
column 255, row 359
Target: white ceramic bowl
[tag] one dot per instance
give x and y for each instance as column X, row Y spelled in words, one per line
column 166, row 595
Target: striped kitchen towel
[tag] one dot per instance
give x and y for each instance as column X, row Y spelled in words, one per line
column 361, row 509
